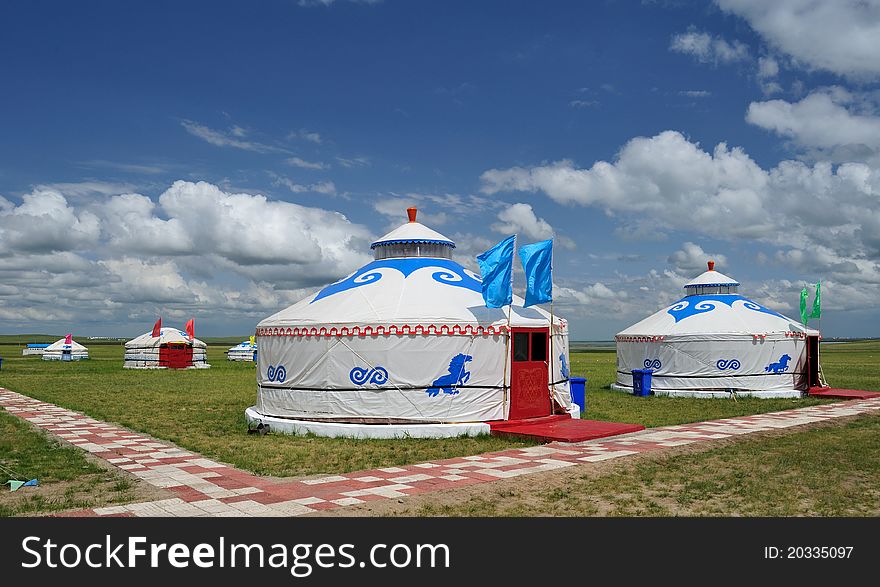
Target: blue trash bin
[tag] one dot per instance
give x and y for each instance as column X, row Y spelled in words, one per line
column 578, row 395
column 642, row 381
column 1, row 362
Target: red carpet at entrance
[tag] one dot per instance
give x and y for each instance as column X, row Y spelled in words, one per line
column 834, row 393
column 560, row 429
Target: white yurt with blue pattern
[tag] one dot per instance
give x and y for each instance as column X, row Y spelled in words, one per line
column 715, row 342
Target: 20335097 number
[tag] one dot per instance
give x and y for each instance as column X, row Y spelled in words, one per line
column 798, row 552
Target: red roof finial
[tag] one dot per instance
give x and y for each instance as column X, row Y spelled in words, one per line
column 711, row 265
column 411, row 212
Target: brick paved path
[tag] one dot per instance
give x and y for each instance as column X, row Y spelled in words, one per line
column 202, row 487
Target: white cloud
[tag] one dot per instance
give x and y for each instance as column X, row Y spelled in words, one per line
column 320, row 187
column 45, row 222
column 826, row 119
column 666, row 182
column 708, row 49
column 692, row 259
column 583, row 103
column 520, row 218
column 124, row 258
column 840, row 37
column 768, row 70
column 353, row 161
column 303, row 164
column 695, row 93
column 306, row 135
column 223, row 139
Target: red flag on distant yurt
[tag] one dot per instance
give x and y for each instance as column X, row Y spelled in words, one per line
column 190, row 328
column 68, row 338
column 157, row 328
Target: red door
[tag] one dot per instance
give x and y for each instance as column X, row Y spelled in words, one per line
column 529, row 391
column 175, row 356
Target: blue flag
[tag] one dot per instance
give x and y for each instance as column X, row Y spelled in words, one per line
column 496, row 269
column 537, row 262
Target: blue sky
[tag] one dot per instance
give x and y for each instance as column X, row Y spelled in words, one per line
column 224, row 159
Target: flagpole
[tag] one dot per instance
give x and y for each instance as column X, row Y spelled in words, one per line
column 552, row 372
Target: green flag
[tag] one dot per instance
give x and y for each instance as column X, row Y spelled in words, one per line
column 816, row 312
column 804, row 316
column 14, row 485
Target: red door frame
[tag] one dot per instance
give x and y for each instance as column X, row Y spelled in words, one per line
column 529, row 383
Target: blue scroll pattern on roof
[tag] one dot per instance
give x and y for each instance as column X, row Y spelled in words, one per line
column 447, row 272
column 693, row 305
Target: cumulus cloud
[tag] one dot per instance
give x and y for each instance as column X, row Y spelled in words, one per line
column 840, row 37
column 828, row 119
column 708, row 49
column 520, row 218
column 667, row 182
column 196, row 248
column 692, row 259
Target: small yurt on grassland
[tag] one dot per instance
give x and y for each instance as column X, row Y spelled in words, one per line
column 171, row 349
column 243, row 351
column 715, row 343
column 65, row 349
column 405, row 346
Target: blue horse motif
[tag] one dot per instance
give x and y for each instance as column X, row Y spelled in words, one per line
column 564, row 368
column 779, row 367
column 456, row 376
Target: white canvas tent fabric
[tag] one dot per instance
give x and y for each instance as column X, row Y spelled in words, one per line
column 143, row 351
column 714, row 342
column 400, row 339
column 61, row 351
column 243, row 351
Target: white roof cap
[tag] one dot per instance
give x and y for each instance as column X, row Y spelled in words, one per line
column 412, row 232
column 710, row 278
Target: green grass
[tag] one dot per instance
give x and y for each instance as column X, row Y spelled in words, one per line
column 203, row 410
column 828, row 471
column 67, row 479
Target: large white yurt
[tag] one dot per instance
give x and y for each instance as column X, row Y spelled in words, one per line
column 65, row 349
column 244, row 351
column 716, row 343
column 405, row 346
column 171, row 349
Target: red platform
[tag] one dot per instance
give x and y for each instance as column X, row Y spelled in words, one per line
column 560, row 429
column 834, row 393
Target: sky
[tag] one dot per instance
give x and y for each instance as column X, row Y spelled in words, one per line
column 224, row 160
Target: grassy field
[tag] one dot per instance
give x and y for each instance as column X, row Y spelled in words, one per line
column 67, row 478
column 203, row 410
column 828, row 471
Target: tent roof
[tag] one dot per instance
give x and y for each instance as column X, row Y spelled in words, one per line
column 243, row 346
column 166, row 336
column 709, row 278
column 415, row 290
column 59, row 345
column 715, row 314
column 413, row 232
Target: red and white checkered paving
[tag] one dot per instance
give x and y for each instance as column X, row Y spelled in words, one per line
column 202, row 487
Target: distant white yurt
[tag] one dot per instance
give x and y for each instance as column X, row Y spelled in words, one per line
column 715, row 343
column 405, row 346
column 65, row 349
column 244, row 351
column 165, row 348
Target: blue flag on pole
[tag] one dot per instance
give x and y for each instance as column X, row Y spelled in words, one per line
column 496, row 269
column 537, row 262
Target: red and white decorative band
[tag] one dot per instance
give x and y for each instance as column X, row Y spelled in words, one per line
column 381, row 330
column 657, row 338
